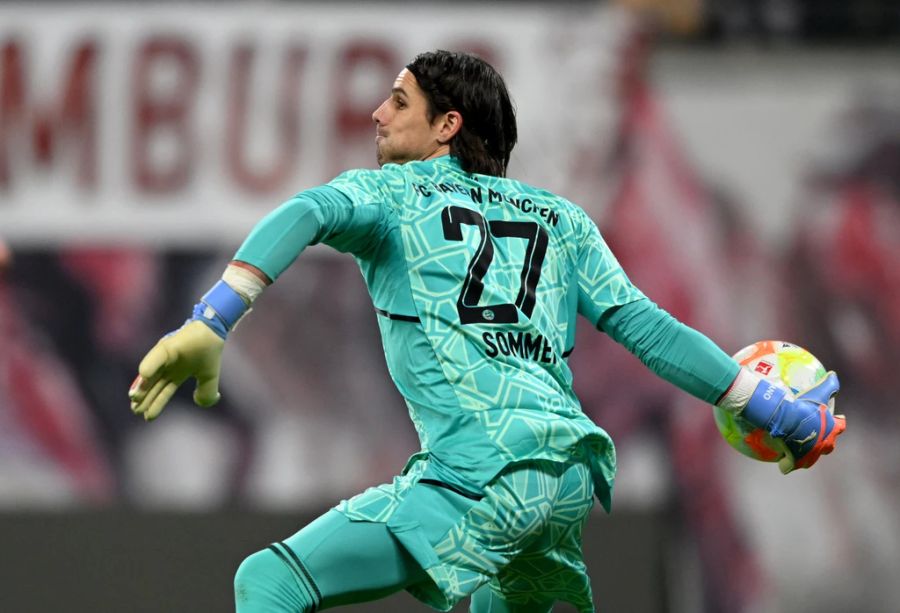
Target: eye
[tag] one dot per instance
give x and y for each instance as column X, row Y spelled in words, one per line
column 400, row 103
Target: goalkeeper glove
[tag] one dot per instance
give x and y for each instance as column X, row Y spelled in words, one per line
column 805, row 425
column 193, row 350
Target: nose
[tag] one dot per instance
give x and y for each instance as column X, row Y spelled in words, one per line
column 378, row 114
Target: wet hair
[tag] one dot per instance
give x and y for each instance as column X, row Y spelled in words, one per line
column 467, row 84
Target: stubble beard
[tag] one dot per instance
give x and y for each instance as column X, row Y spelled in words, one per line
column 380, row 155
column 385, row 155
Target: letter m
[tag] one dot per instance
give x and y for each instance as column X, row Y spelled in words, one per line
column 515, row 343
column 533, row 346
column 45, row 125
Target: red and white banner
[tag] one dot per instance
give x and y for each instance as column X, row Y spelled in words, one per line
column 183, row 125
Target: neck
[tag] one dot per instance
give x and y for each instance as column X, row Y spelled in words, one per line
column 441, row 150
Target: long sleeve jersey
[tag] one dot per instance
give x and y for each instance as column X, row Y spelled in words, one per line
column 477, row 282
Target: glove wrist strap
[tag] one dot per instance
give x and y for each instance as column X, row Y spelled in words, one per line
column 762, row 409
column 220, row 308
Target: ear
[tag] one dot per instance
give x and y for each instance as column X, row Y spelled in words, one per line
column 448, row 125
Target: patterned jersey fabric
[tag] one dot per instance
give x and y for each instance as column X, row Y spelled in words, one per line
column 477, row 281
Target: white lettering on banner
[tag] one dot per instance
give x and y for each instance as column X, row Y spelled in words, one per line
column 184, row 125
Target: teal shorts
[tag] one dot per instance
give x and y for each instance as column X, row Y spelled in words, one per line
column 521, row 535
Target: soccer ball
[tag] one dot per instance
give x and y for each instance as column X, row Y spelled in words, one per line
column 786, row 365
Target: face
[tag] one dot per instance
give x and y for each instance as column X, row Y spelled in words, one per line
column 402, row 130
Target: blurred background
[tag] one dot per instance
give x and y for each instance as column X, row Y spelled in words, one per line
column 741, row 157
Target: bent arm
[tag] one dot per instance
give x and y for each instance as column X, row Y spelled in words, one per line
column 322, row 214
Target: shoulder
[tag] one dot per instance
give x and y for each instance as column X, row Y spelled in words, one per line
column 546, row 194
column 366, row 184
column 359, row 184
column 578, row 220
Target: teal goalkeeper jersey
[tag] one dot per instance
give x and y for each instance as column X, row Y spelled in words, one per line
column 477, row 282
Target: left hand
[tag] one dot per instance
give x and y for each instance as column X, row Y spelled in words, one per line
column 805, row 425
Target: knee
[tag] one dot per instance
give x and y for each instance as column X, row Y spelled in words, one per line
column 248, row 574
column 265, row 583
column 252, row 579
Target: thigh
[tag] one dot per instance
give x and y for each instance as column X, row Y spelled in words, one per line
column 523, row 537
column 488, row 600
column 532, row 507
column 551, row 567
column 353, row 561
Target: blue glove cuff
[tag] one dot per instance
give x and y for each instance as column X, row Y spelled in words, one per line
column 762, row 408
column 220, row 308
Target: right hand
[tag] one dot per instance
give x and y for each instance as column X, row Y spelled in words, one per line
column 193, row 350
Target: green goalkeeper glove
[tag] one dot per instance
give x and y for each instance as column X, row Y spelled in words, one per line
column 193, row 350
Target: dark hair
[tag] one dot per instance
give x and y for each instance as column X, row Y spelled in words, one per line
column 467, row 84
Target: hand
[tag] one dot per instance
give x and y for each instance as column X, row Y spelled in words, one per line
column 193, row 350
column 805, row 425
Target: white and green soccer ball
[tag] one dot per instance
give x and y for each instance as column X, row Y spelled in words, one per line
column 788, row 366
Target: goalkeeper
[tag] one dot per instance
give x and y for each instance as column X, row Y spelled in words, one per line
column 476, row 280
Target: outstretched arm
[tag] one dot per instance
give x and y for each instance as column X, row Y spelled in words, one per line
column 688, row 359
column 322, row 214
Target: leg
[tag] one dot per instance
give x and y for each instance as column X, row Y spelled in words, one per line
column 330, row 562
column 267, row 581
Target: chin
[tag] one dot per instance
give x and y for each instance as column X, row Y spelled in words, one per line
column 383, row 159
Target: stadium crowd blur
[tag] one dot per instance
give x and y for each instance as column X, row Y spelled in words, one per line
column 304, row 382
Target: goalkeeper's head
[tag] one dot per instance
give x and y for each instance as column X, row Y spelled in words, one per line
column 447, row 102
